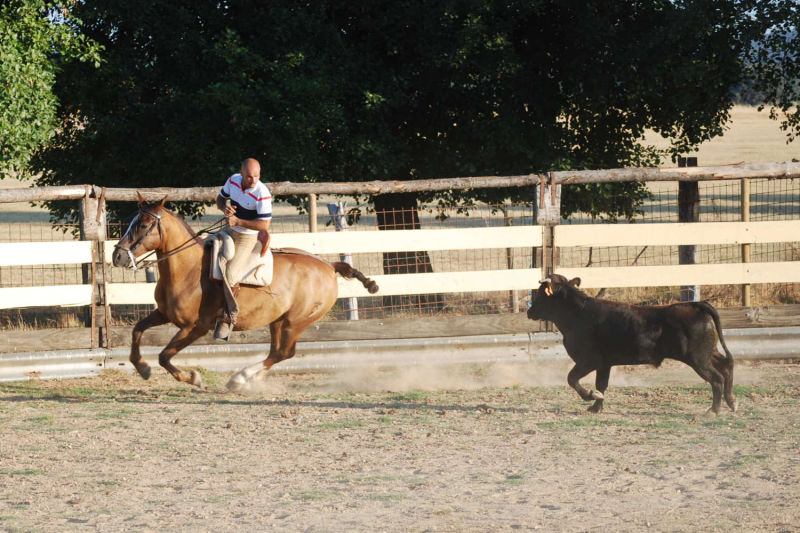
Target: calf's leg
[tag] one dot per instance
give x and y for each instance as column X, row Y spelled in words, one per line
column 707, row 371
column 601, row 382
column 573, row 378
column 724, row 366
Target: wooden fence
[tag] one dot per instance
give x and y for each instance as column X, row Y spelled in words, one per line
column 548, row 236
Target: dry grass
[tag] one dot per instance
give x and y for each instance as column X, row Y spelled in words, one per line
column 751, row 137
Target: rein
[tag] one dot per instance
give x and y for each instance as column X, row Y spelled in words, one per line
column 188, row 243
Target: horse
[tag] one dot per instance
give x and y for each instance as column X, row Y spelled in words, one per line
column 303, row 289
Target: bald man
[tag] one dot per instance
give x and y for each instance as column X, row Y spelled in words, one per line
column 249, row 212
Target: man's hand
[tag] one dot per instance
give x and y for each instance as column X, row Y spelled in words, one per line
column 233, row 220
column 229, row 211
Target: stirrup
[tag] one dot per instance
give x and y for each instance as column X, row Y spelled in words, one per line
column 222, row 330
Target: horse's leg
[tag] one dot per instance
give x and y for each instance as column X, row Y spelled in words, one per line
column 181, row 340
column 153, row 319
column 283, row 345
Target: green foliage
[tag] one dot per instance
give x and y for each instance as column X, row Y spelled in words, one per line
column 37, row 37
column 331, row 91
column 772, row 65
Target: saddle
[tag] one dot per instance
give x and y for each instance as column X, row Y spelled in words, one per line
column 259, row 270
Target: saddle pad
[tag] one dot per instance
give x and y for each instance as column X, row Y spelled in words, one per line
column 259, row 271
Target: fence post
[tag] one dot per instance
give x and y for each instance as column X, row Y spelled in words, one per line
column 547, row 214
column 340, row 222
column 93, row 228
column 513, row 297
column 688, row 211
column 746, row 247
column 312, row 212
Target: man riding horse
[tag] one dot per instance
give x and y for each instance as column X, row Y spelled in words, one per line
column 249, row 212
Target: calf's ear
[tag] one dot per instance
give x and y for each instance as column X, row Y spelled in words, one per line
column 575, row 282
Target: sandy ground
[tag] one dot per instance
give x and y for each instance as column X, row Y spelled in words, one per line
column 453, row 448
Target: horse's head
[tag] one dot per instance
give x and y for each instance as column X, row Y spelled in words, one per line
column 144, row 233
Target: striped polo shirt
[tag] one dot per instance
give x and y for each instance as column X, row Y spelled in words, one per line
column 251, row 204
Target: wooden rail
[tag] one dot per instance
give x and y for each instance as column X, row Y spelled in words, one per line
column 560, row 177
column 731, row 233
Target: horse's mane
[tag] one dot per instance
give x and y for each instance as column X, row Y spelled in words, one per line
column 182, row 221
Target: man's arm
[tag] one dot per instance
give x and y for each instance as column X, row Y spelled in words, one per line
column 258, row 225
column 221, row 203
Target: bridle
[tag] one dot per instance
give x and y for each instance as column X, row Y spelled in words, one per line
column 191, row 241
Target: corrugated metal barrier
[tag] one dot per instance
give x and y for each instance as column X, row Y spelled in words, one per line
column 745, row 344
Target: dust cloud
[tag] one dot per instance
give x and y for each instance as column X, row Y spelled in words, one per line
column 446, row 377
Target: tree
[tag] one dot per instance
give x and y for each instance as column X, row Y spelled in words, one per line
column 401, row 90
column 330, row 91
column 37, row 38
column 772, row 64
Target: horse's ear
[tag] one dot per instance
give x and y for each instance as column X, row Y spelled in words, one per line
column 163, row 201
column 141, row 198
column 575, row 282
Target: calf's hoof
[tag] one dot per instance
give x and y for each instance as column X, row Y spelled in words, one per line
column 711, row 412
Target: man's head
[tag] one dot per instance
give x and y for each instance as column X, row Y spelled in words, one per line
column 251, row 173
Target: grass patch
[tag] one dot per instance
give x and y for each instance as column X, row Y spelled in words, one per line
column 514, row 479
column 343, row 424
column 388, row 497
column 311, row 495
column 26, row 472
column 81, row 392
column 45, row 419
column 744, row 460
column 115, row 413
column 747, row 390
column 414, row 396
column 210, row 379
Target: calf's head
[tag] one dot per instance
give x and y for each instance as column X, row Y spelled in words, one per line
column 554, row 295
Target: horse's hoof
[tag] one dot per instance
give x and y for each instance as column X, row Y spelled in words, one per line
column 711, row 413
column 236, row 383
column 246, row 380
column 597, row 395
column 734, row 405
column 197, row 380
column 144, row 371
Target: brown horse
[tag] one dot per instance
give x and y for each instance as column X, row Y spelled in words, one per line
column 303, row 289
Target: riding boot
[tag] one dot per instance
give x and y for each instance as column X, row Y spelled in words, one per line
column 225, row 324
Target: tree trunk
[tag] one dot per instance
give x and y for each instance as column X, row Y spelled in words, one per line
column 399, row 211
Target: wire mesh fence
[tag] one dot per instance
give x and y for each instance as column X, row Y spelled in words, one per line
column 720, row 201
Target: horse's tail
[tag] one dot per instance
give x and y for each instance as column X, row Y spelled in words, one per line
column 347, row 271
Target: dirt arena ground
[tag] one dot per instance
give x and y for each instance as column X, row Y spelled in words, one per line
column 454, row 448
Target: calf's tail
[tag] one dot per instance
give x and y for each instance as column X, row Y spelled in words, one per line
column 347, row 271
column 708, row 308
